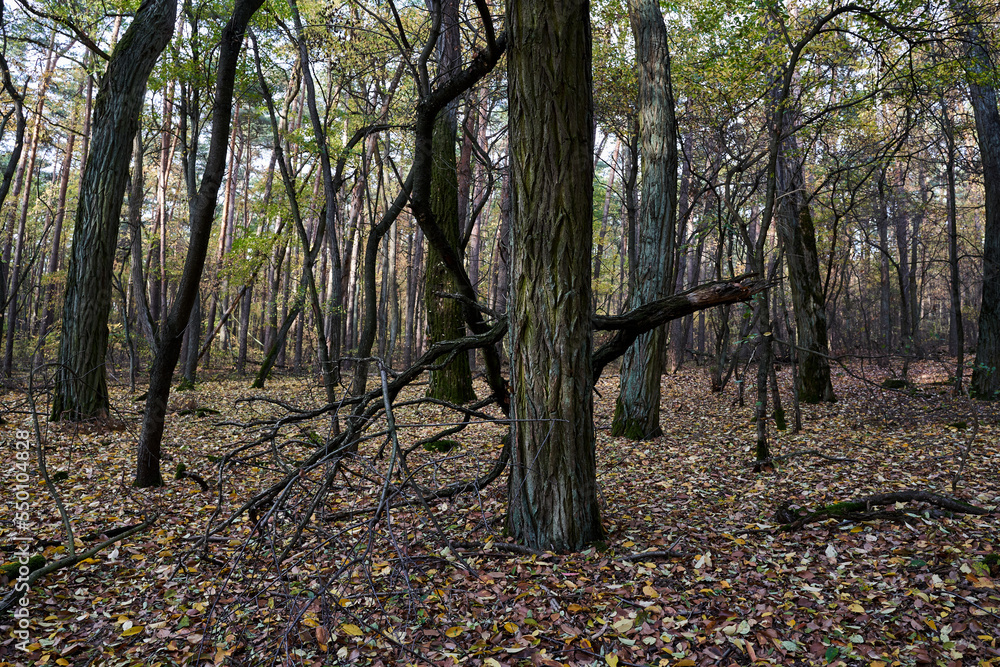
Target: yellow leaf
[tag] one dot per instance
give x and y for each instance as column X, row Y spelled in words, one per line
column 649, row 591
column 877, row 663
column 612, row 659
column 62, row 661
column 454, row 631
column 351, row 629
column 510, row 627
column 622, row 626
column 857, row 608
column 686, row 662
column 573, row 608
column 134, row 630
column 930, row 622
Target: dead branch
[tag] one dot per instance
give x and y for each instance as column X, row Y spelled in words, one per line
column 861, row 509
column 628, row 327
column 15, row 594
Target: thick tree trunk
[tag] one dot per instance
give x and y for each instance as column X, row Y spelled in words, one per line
column 81, row 382
column 986, row 371
column 445, row 319
column 202, row 214
column 637, row 410
column 552, row 484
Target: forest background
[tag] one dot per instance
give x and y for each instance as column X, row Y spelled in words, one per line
column 344, row 191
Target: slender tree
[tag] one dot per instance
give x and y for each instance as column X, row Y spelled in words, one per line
column 202, row 213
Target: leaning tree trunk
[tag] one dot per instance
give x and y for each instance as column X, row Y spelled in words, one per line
column 202, row 213
column 81, row 382
column 552, row 484
column 637, row 410
column 445, row 319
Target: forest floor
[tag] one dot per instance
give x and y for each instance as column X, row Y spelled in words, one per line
column 903, row 584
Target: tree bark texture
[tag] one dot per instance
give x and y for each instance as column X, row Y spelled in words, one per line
column 445, row 320
column 552, row 485
column 637, row 410
column 81, row 381
column 985, row 375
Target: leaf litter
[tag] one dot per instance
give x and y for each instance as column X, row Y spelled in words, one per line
column 695, row 568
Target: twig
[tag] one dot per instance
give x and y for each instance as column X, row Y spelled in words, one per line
column 968, row 447
column 11, row 599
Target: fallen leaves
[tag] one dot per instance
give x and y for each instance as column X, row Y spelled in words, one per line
column 851, row 592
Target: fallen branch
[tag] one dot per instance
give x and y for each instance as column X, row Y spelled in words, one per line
column 16, row 593
column 861, row 510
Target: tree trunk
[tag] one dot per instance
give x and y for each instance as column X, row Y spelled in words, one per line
column 202, row 214
column 445, row 319
column 50, row 292
column 193, row 333
column 985, row 372
column 412, row 281
column 795, row 226
column 552, row 485
column 241, row 359
column 25, row 179
column 885, row 295
column 637, row 410
column 955, row 286
column 502, row 260
column 81, row 381
column 328, row 356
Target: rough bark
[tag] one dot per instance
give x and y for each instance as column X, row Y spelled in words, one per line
column 985, row 374
column 445, row 319
column 637, row 410
column 81, row 382
column 552, row 485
